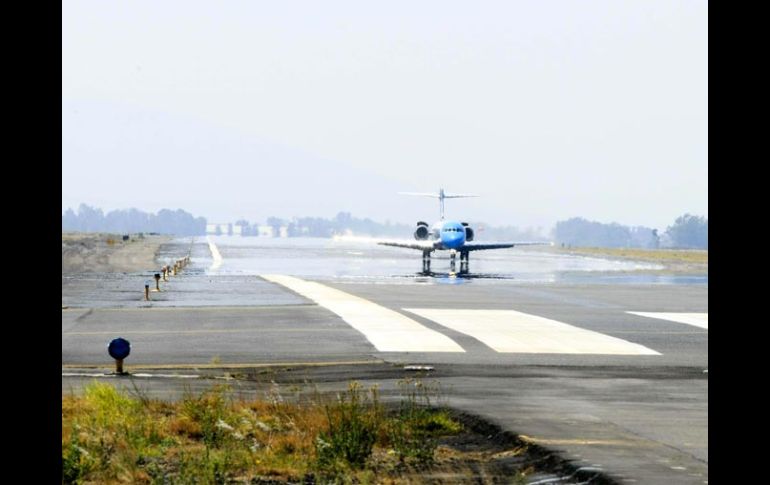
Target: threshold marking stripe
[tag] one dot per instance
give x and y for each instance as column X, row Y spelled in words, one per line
column 512, row 331
column 387, row 330
column 696, row 319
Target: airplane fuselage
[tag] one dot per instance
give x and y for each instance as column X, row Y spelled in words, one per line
column 449, row 234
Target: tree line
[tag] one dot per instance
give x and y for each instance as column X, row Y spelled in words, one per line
column 166, row 221
column 686, row 232
column 342, row 223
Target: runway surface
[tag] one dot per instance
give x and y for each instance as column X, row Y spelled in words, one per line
column 615, row 375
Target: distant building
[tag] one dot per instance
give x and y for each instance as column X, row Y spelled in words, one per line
column 265, row 231
column 216, row 228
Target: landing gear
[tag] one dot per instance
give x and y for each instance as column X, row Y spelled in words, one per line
column 464, row 260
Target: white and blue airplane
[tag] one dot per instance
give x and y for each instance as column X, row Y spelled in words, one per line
column 453, row 236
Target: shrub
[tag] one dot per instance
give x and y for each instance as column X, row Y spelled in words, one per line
column 208, row 413
column 413, row 432
column 353, row 424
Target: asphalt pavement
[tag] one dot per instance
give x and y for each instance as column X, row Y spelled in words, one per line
column 566, row 365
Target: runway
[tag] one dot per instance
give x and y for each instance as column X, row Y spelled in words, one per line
column 613, row 375
column 507, row 325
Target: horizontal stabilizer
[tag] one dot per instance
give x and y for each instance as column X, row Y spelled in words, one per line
column 441, row 195
column 457, row 196
column 438, row 196
column 420, row 194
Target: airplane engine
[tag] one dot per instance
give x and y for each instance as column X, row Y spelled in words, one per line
column 422, row 231
column 468, row 232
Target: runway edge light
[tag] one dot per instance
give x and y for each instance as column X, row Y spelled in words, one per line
column 119, row 349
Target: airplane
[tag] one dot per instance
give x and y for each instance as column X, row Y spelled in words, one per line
column 454, row 236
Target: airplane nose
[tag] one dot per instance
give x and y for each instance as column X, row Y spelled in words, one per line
column 455, row 240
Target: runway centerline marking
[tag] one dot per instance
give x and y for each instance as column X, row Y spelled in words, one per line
column 215, row 255
column 696, row 319
column 517, row 332
column 387, row 330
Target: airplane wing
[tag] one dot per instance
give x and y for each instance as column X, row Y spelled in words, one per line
column 473, row 246
column 425, row 245
column 422, row 245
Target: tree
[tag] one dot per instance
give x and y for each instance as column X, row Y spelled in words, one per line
column 581, row 232
column 276, row 224
column 655, row 241
column 689, row 231
column 90, row 219
column 69, row 221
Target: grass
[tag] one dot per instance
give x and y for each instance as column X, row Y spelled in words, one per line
column 414, row 431
column 681, row 256
column 110, row 436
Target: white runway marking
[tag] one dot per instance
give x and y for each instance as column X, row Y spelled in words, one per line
column 387, row 330
column 103, row 374
column 697, row 319
column 215, row 255
column 512, row 331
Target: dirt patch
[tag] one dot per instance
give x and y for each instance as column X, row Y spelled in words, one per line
column 498, row 455
column 109, row 253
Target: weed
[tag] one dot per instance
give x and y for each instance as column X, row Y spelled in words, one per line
column 414, row 430
column 353, row 425
column 207, row 413
column 139, row 394
column 111, row 436
column 77, row 462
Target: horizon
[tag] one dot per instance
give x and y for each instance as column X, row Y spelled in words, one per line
column 541, row 229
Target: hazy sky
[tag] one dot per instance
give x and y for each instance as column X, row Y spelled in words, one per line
column 548, row 109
